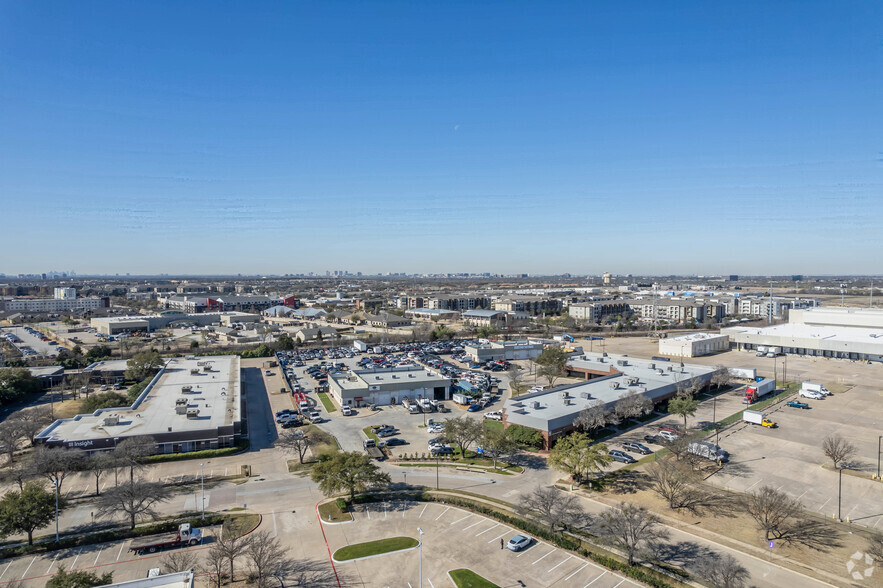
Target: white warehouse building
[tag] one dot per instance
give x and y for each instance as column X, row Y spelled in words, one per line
column 694, row 344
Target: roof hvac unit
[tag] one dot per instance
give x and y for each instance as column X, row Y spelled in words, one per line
column 186, row 389
column 614, row 385
column 207, row 367
column 585, row 395
column 671, row 369
column 652, row 366
column 535, row 404
column 192, row 413
column 567, row 401
column 181, row 409
column 565, row 394
column 604, row 354
column 194, row 372
column 621, row 362
column 113, row 419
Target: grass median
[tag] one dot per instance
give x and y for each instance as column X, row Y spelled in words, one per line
column 464, row 578
column 379, row 547
column 326, row 402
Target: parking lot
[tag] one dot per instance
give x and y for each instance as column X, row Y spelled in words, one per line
column 454, row 539
column 30, row 341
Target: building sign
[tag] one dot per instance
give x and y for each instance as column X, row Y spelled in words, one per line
column 374, row 388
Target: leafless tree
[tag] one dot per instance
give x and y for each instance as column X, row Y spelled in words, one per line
column 33, row 421
column 267, row 559
column 10, row 436
column 631, row 527
column 633, row 404
column 129, row 452
column 551, row 373
column 232, row 546
column 296, row 442
column 595, row 416
column 721, row 376
column 98, row 464
column 552, row 506
column 55, row 463
column 679, row 447
column 837, row 449
column 179, row 561
column 875, row 548
column 780, row 517
column 20, row 473
column 723, row 571
column 683, row 490
column 214, row 564
column 135, row 499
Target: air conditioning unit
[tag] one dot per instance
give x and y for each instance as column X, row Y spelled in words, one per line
column 652, row 366
column 186, row 389
column 192, row 413
column 585, row 395
column 614, row 385
column 535, row 404
column 112, row 420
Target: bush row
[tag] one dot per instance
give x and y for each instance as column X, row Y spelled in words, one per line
column 241, row 445
column 111, row 535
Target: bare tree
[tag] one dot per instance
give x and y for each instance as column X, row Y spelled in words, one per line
column 551, row 373
column 267, row 559
column 631, row 527
column 10, row 435
column 33, row 421
column 721, row 376
column 837, row 449
column 135, row 499
column 552, row 506
column 21, row 472
column 214, row 564
column 179, row 561
column 296, row 441
column 780, row 517
column 683, row 490
column 55, row 463
column 129, row 452
column 723, row 571
column 595, row 416
column 98, row 464
column 633, row 404
column 875, row 548
column 232, row 546
column 679, row 447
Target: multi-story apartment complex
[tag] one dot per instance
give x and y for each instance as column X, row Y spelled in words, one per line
column 457, row 302
column 532, row 305
column 595, row 311
column 65, row 300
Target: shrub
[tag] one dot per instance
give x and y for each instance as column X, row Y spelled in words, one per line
column 341, row 504
column 526, row 437
column 104, row 400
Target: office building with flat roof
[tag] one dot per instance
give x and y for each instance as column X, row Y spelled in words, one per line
column 694, row 344
column 193, row 403
column 384, row 386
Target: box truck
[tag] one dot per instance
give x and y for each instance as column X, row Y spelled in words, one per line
column 815, row 387
column 758, row 390
column 755, row 417
column 708, row 450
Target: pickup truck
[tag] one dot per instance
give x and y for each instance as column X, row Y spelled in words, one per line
column 371, row 449
column 152, row 544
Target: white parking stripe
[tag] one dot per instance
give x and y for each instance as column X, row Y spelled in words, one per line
column 488, row 529
column 472, row 525
column 368, row 511
column 565, row 561
column 759, row 480
column 620, row 582
column 50, row 565
column 430, row 582
column 443, row 512
column 500, row 537
column 595, row 580
column 123, row 544
column 461, row 520
column 73, row 565
column 5, row 570
column 29, row 566
column 424, row 510
column 542, row 558
column 576, row 572
column 94, row 563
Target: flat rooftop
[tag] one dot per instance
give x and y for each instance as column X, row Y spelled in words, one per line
column 413, row 375
column 696, row 337
column 817, row 332
column 548, row 411
column 215, row 393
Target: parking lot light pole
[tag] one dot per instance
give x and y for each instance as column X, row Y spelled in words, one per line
column 879, row 440
column 436, row 471
column 55, row 484
column 839, row 493
column 202, row 480
column 419, row 530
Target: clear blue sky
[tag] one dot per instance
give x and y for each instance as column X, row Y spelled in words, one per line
column 540, row 137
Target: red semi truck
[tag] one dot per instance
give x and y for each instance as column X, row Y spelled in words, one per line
column 758, row 390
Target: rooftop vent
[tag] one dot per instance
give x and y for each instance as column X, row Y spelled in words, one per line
column 585, row 395
column 604, row 354
column 186, row 389
column 535, row 404
column 652, row 366
column 614, row 385
column 112, row 420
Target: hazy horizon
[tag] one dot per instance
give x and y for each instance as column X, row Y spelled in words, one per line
column 537, row 138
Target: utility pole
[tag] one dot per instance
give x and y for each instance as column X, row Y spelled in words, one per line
column 202, row 479
column 879, row 441
column 421, row 555
column 840, row 493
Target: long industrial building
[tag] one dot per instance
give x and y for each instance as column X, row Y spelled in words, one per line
column 846, row 333
column 609, row 378
column 193, row 403
column 146, row 323
column 387, row 386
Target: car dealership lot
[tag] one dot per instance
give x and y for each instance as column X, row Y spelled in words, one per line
column 455, row 538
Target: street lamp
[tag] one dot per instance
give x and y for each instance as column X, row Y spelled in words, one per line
column 202, row 479
column 55, row 485
column 714, row 419
column 839, row 493
column 419, row 530
column 879, row 440
column 436, row 471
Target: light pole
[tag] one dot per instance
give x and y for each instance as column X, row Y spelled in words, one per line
column 202, row 479
column 436, row 471
column 419, row 530
column 839, row 493
column 879, row 440
column 55, row 484
column 714, row 418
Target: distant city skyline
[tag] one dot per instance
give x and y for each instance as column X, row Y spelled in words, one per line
column 540, row 138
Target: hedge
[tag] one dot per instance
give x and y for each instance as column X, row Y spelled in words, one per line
column 241, row 445
column 110, row 535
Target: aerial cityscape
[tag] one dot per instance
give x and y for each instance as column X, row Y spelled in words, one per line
column 406, row 295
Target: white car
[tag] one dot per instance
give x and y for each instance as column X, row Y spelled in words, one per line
column 811, row 394
column 494, row 416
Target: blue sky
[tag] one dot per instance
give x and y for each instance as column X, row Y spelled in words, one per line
column 540, row 137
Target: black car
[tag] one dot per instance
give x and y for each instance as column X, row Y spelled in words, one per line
column 291, row 423
column 637, row 448
column 652, row 439
column 395, row 441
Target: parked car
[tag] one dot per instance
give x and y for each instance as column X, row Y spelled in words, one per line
column 812, row 394
column 668, row 436
column 441, row 450
column 796, row 404
column 385, row 432
column 652, row 439
column 395, row 441
column 621, row 456
column 474, row 407
column 637, row 448
column 291, row 423
column 518, row 542
column 346, row 411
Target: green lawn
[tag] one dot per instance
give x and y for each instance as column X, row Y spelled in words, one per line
column 326, row 402
column 378, row 547
column 492, row 425
column 337, row 516
column 464, row 578
column 322, row 442
column 371, row 434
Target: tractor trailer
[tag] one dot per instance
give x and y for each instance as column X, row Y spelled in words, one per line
column 184, row 536
column 757, row 390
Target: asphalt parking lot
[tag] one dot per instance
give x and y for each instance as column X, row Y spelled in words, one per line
column 453, row 539
column 43, row 348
